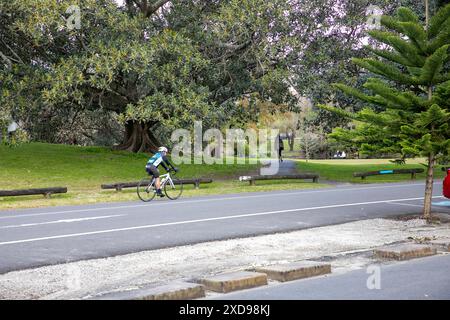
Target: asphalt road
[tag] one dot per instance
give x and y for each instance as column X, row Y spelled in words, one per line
column 425, row 278
column 39, row 237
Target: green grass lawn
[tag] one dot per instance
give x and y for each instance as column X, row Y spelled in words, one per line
column 42, row 165
column 84, row 169
column 342, row 170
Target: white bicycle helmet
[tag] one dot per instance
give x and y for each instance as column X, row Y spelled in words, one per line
column 163, row 149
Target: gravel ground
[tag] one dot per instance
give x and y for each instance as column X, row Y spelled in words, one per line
column 85, row 279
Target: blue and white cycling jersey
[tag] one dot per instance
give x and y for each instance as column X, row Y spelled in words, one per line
column 155, row 160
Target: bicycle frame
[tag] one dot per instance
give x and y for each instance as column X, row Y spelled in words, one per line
column 164, row 179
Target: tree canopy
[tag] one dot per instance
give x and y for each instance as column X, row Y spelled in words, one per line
column 146, row 67
column 408, row 101
column 155, row 63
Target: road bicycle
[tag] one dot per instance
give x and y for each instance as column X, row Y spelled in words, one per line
column 172, row 186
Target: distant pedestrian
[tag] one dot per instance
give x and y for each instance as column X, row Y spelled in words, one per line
column 280, row 148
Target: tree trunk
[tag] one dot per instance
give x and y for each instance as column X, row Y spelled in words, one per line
column 431, row 159
column 307, row 151
column 138, row 137
column 291, row 139
column 429, row 188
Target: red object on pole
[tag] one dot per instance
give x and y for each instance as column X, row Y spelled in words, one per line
column 446, row 191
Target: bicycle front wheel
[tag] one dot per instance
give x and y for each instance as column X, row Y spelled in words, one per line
column 146, row 190
column 173, row 190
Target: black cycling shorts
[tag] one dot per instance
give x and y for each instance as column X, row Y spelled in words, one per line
column 152, row 170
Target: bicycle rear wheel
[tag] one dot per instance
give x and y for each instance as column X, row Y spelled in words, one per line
column 173, row 192
column 146, row 190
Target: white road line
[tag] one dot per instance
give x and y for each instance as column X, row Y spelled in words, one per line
column 60, row 221
column 18, row 215
column 408, row 204
column 204, row 220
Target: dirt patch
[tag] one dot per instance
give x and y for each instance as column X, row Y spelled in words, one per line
column 437, row 217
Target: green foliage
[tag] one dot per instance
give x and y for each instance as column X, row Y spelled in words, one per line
column 15, row 139
column 412, row 89
column 438, row 22
column 163, row 65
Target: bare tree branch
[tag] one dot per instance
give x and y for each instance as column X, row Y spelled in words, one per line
column 6, row 59
column 155, row 7
column 145, row 7
column 14, row 53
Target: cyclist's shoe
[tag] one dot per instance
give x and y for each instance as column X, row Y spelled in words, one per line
column 160, row 194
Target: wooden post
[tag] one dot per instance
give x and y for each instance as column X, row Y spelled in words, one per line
column 197, row 184
column 46, row 192
column 413, row 176
column 252, row 182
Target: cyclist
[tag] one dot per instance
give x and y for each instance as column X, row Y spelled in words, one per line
column 160, row 158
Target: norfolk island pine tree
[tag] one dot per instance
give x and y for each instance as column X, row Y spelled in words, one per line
column 411, row 87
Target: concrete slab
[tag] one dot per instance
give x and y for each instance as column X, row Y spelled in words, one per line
column 233, row 281
column 442, row 243
column 171, row 291
column 404, row 251
column 296, row 270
